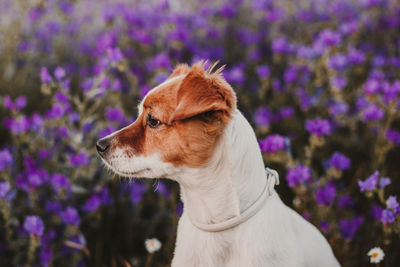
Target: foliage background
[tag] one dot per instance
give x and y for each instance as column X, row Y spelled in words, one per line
column 74, row 71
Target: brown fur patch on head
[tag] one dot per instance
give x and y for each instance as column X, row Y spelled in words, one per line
column 194, row 111
column 203, row 91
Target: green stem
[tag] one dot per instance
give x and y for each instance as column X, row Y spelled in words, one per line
column 6, row 215
column 33, row 244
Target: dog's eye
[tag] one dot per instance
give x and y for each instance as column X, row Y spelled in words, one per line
column 152, row 122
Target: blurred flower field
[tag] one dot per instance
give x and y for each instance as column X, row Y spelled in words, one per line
column 318, row 79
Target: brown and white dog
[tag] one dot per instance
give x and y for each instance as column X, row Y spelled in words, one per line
column 190, row 131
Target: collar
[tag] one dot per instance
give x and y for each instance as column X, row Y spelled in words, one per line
column 272, row 178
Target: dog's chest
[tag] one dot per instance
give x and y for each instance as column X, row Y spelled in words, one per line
column 198, row 248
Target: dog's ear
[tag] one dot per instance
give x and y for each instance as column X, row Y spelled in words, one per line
column 180, row 69
column 203, row 92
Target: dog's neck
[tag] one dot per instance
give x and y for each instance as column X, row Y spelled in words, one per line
column 232, row 180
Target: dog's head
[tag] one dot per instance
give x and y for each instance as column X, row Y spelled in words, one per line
column 180, row 123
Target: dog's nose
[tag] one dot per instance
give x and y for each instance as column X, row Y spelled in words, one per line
column 102, row 145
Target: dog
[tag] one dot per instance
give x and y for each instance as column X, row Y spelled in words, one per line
column 190, row 130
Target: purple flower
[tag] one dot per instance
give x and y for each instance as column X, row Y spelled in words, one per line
column 262, row 116
column 6, row 159
column 46, row 255
column 114, row 55
column 34, row 225
column 70, row 216
column 348, row 228
column 18, row 125
column 280, row 45
column 290, row 75
column 159, row 61
column 48, row 237
column 286, row 112
column 379, row 61
column 4, row 189
column 338, row 62
column 263, row 71
column 59, row 73
column 298, row 174
column 318, row 127
column 144, row 90
column 338, row 108
column 45, row 76
column 391, row 135
column 105, row 196
column 391, row 203
column 349, row 27
column 109, row 130
column 235, row 75
column 372, row 113
column 356, row 56
column 387, row 216
column 338, row 82
column 80, row 159
column 228, row 10
column 105, row 83
column 56, row 111
column 329, row 38
column 163, row 189
column 115, row 114
column 35, row 178
column 179, row 208
column 361, row 103
column 87, row 85
column 53, row 207
column 116, row 85
column 20, row 102
column 61, row 131
column 61, row 97
column 344, row 201
column 8, row 102
column 339, row 161
column 60, row 182
column 136, row 192
column 325, row 195
column 92, row 204
column 390, row 91
column 36, row 122
column 306, row 52
column 73, row 117
column 324, row 226
column 370, row 183
column 384, row 181
column 372, row 86
column 273, row 143
column 376, row 212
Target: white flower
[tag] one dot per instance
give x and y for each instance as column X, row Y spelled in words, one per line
column 376, row 255
column 152, row 245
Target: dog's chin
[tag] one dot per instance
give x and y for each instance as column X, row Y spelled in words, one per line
column 143, row 173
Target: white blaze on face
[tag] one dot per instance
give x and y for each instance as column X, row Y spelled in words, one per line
column 140, row 107
column 138, row 166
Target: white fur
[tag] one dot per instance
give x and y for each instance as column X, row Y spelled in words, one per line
column 234, row 178
column 227, row 185
column 138, row 166
column 140, row 107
